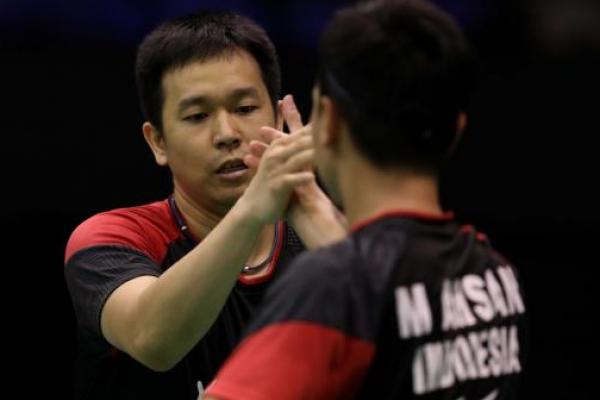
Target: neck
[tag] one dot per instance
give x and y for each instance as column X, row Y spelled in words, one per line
column 382, row 190
column 201, row 221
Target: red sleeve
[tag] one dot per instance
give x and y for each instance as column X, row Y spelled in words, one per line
column 294, row 360
column 145, row 229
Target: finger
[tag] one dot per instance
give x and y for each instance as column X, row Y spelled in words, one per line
column 291, row 115
column 284, row 149
column 300, row 161
column 287, row 139
column 269, row 134
column 290, row 181
column 257, row 148
column 251, row 161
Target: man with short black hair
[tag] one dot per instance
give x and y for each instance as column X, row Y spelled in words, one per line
column 411, row 305
column 162, row 291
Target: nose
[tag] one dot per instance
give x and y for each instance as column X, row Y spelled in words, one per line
column 225, row 137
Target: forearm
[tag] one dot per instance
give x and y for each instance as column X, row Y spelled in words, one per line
column 316, row 219
column 177, row 310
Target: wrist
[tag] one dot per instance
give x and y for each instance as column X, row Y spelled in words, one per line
column 244, row 212
column 319, row 223
column 309, row 199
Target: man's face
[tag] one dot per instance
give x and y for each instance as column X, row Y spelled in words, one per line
column 212, row 110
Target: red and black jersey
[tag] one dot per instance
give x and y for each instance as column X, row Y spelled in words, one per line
column 409, row 306
column 113, row 247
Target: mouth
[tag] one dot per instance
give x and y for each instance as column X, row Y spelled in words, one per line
column 232, row 168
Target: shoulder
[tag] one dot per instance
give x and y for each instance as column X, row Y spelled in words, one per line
column 141, row 228
column 322, row 276
column 325, row 263
column 331, row 287
column 367, row 252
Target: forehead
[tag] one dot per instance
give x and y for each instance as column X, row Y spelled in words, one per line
column 214, row 77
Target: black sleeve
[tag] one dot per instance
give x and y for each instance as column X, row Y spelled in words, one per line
column 94, row 273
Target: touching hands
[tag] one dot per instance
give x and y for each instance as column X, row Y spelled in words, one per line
column 284, row 164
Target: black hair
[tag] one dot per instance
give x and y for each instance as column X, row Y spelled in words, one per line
column 400, row 73
column 199, row 37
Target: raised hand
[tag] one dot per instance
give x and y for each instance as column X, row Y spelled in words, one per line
column 280, row 168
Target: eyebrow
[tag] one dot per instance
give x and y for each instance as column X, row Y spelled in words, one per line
column 234, row 95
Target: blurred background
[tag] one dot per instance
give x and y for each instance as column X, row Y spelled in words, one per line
column 525, row 174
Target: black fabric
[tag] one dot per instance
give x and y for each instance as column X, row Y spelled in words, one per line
column 94, row 273
column 334, row 287
column 435, row 253
column 353, row 287
column 105, row 373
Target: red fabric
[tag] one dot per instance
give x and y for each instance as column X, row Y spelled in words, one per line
column 145, row 228
column 294, row 360
column 249, row 280
column 482, row 237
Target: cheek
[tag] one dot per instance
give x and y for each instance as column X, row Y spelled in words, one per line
column 325, row 161
column 322, row 163
column 189, row 155
column 252, row 131
column 266, row 117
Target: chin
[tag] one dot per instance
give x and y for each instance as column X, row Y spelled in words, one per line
column 232, row 195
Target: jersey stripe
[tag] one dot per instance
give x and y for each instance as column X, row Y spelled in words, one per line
column 294, row 359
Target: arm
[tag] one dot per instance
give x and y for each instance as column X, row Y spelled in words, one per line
column 311, row 213
column 157, row 320
column 315, row 218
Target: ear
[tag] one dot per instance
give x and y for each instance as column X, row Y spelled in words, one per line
column 331, row 120
column 279, row 117
column 156, row 141
column 461, row 123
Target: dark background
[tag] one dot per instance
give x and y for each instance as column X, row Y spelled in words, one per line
column 526, row 173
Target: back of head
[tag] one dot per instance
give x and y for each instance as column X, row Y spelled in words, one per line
column 200, row 37
column 397, row 71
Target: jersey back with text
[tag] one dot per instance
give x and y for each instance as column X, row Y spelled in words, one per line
column 409, row 306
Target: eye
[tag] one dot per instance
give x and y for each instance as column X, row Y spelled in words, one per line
column 197, row 117
column 244, row 110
